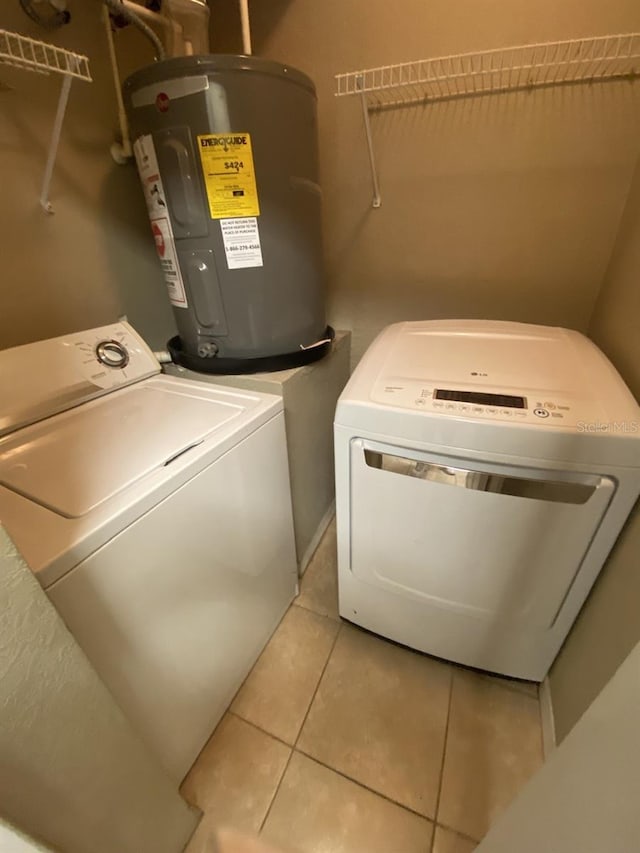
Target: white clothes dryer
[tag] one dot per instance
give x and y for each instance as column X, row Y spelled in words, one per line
column 156, row 514
column 483, row 472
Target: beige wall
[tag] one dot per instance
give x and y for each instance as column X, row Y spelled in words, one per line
column 503, row 207
column 72, row 771
column 609, row 626
column 94, row 259
column 614, row 325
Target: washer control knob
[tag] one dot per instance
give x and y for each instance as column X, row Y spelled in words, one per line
column 112, row 354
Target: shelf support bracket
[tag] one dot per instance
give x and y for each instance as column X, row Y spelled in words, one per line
column 377, row 201
column 55, row 140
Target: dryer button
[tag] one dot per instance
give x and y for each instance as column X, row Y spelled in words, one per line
column 541, row 413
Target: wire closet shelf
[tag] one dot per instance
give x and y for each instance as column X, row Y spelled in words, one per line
column 524, row 67
column 32, row 55
column 493, row 71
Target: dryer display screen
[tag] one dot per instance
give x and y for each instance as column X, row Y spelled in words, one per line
column 481, row 398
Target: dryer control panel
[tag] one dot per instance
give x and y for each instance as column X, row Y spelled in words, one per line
column 531, row 407
column 40, row 379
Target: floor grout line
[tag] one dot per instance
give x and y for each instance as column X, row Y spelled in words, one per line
column 457, row 832
column 444, row 753
column 264, row 649
column 293, row 749
column 289, row 746
column 255, row 663
column 336, row 619
column 260, row 729
column 366, row 787
column 275, row 793
column 324, row 669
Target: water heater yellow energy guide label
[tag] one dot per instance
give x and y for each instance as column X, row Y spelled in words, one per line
column 229, row 176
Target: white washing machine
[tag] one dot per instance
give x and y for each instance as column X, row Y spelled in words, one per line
column 483, row 473
column 156, row 514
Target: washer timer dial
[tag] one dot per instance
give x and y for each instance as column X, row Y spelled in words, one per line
column 112, row 354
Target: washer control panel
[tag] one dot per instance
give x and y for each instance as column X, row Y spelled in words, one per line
column 45, row 377
column 477, row 404
column 111, row 356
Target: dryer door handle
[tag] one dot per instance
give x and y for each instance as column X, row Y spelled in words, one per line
column 542, row 489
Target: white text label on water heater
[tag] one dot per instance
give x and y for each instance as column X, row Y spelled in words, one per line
column 241, row 242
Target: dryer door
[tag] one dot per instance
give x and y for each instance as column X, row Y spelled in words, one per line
column 492, row 541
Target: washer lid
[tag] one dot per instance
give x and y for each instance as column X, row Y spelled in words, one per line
column 77, row 460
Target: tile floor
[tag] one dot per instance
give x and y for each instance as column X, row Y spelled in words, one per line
column 341, row 742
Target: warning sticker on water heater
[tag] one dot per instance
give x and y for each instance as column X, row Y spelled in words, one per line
column 166, row 249
column 241, row 242
column 155, row 198
column 229, row 175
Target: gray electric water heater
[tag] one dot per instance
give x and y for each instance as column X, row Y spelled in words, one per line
column 226, row 148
